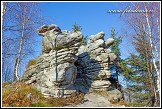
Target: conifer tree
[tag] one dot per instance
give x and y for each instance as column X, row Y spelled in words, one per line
column 139, row 71
column 115, row 67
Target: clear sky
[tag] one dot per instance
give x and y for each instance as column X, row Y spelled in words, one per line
column 91, row 16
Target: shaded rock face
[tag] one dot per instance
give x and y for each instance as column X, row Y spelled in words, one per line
column 55, row 70
column 93, row 62
column 64, row 66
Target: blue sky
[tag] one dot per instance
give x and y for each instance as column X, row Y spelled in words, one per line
column 91, row 16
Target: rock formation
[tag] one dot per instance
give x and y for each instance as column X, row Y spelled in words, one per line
column 93, row 62
column 65, row 66
column 55, row 70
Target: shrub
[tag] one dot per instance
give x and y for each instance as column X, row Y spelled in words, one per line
column 31, row 62
column 76, row 27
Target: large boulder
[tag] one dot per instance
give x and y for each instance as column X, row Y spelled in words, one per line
column 54, row 38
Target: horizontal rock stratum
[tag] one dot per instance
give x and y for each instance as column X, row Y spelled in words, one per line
column 65, row 66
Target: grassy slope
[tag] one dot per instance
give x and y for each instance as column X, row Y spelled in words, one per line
column 15, row 95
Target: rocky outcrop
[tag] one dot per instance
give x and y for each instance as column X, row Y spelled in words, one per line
column 93, row 62
column 95, row 100
column 64, row 66
column 55, row 71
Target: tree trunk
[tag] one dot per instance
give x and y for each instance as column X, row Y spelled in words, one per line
column 153, row 57
column 17, row 62
column 152, row 51
column 4, row 7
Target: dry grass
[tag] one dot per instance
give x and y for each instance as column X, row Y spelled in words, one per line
column 74, row 99
column 103, row 93
column 121, row 102
column 16, row 96
column 6, row 84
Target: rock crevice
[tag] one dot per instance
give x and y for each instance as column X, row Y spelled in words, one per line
column 65, row 66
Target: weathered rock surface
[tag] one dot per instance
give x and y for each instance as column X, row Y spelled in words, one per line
column 64, row 66
column 95, row 100
column 55, row 39
column 55, row 71
column 93, row 62
column 115, row 95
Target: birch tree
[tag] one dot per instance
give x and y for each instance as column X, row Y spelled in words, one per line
column 20, row 31
column 147, row 20
column 153, row 45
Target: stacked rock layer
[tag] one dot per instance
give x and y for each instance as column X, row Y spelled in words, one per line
column 64, row 66
column 55, row 71
column 93, row 62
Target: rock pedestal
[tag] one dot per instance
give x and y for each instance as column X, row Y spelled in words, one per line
column 55, row 71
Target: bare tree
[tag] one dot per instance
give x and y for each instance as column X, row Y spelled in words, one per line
column 149, row 19
column 20, row 26
column 153, row 46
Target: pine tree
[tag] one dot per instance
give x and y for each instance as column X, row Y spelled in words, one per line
column 76, row 27
column 115, row 67
column 138, row 70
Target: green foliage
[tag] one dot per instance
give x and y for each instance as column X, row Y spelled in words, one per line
column 84, row 40
column 136, row 69
column 31, row 62
column 117, row 41
column 76, row 27
column 115, row 67
column 139, row 81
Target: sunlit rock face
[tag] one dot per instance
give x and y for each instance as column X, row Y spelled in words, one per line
column 55, row 71
column 65, row 66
